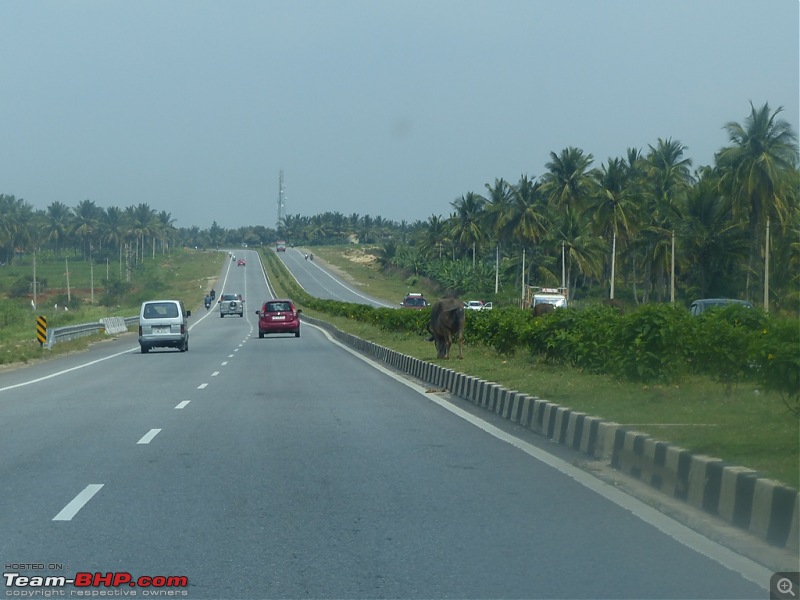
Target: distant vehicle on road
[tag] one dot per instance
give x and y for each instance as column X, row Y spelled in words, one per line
column 240, row 263
column 414, row 300
column 280, row 246
column 231, row 304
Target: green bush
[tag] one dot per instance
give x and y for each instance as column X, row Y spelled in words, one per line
column 776, row 355
column 592, row 342
column 649, row 345
column 13, row 312
column 23, row 286
column 720, row 341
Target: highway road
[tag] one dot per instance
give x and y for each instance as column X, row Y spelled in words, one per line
column 321, row 283
column 295, row 468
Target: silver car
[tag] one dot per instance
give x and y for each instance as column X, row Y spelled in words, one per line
column 231, row 304
column 163, row 323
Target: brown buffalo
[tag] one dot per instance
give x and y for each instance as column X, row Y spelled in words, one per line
column 616, row 304
column 447, row 322
column 543, row 309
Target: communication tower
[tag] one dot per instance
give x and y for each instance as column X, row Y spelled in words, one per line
column 281, row 200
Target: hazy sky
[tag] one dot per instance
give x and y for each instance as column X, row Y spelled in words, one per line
column 371, row 107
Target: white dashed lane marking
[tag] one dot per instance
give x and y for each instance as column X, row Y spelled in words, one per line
column 215, row 373
column 146, row 439
column 71, row 509
column 182, row 404
column 202, row 386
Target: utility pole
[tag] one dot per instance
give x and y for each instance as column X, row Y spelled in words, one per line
column 672, row 272
column 766, row 270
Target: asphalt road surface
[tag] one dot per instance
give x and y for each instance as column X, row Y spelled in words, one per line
column 321, row 283
column 294, row 468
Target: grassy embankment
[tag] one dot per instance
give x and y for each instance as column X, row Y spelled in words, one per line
column 183, row 274
column 748, row 427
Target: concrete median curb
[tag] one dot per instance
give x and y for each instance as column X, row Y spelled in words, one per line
column 740, row 496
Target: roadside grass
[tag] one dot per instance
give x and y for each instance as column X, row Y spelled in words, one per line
column 748, row 427
column 183, row 274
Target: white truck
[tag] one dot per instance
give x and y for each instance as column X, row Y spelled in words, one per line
column 542, row 295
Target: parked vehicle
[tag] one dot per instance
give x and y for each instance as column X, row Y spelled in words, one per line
column 163, row 323
column 557, row 297
column 700, row 306
column 278, row 315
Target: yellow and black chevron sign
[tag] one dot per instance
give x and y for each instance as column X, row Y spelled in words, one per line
column 41, row 329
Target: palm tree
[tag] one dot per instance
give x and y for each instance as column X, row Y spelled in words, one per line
column 669, row 180
column 529, row 213
column 757, row 173
column 57, row 225
column 715, row 244
column 498, row 217
column 434, row 235
column 84, row 224
column 613, row 207
column 16, row 225
column 165, row 229
column 114, row 229
column 568, row 182
column 583, row 251
column 466, row 228
column 143, row 223
column 531, row 220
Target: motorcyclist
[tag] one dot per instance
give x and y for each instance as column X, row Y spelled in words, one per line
column 208, row 301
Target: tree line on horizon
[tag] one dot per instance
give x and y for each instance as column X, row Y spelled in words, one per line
column 576, row 220
column 629, row 212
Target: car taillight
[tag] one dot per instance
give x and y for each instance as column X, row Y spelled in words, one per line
column 183, row 329
column 140, row 330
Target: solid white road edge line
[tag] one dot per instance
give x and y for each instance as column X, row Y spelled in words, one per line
column 77, row 503
column 88, row 364
column 735, row 562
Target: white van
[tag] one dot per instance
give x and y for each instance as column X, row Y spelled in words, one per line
column 163, row 323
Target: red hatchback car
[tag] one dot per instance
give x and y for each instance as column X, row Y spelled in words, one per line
column 278, row 316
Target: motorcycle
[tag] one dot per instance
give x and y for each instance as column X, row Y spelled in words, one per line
column 208, row 302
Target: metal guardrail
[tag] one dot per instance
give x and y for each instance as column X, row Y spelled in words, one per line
column 71, row 332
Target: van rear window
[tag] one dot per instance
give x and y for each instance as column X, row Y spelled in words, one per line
column 160, row 310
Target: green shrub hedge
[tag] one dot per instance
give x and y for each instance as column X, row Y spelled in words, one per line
column 653, row 344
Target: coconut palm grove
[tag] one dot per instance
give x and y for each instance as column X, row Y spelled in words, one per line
column 665, row 228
